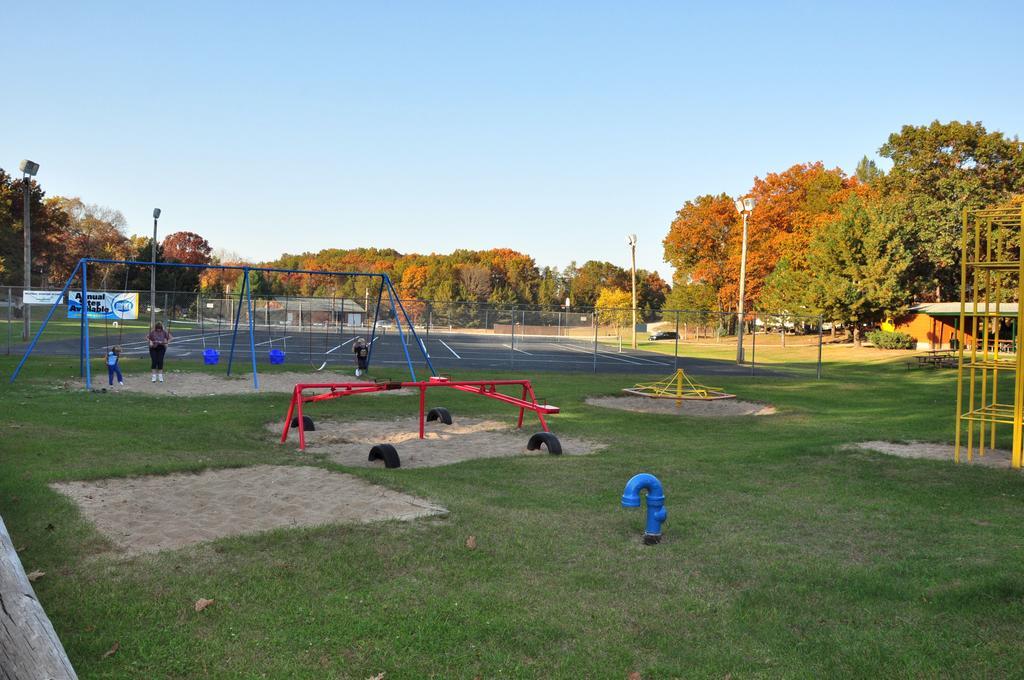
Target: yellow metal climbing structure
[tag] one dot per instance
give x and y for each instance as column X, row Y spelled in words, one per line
column 680, row 387
column 991, row 287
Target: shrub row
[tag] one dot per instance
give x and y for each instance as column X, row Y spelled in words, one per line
column 891, row 340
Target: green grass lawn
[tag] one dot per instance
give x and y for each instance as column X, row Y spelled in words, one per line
column 800, row 352
column 783, row 556
column 799, row 356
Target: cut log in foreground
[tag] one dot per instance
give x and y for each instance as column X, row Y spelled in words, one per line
column 29, row 647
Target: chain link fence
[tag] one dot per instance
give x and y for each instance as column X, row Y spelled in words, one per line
column 772, row 342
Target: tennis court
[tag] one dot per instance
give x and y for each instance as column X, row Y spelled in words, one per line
column 447, row 351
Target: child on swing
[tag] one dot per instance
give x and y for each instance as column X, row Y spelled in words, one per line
column 114, row 366
column 362, row 353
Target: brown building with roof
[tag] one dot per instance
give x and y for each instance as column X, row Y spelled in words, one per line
column 934, row 324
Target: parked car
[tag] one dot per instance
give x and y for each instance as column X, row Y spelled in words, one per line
column 664, row 335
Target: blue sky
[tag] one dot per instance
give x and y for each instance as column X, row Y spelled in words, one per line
column 552, row 128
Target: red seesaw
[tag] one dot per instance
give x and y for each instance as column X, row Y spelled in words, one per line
column 484, row 388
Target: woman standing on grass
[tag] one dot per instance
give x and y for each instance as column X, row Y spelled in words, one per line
column 158, row 341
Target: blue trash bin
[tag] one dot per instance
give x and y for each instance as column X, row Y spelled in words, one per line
column 211, row 357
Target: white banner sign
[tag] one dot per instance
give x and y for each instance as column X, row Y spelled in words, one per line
column 105, row 305
column 40, row 297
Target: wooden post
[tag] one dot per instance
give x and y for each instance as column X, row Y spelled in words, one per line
column 29, row 647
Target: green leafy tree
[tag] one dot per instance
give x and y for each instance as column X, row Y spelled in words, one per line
column 789, row 289
column 48, row 227
column 691, row 297
column 550, row 291
column 698, row 302
column 588, row 280
column 258, row 284
column 860, row 264
column 867, row 171
column 938, row 170
column 502, row 297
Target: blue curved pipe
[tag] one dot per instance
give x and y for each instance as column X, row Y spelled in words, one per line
column 656, row 513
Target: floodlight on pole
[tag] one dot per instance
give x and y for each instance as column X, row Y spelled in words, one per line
column 28, row 169
column 744, row 206
column 152, row 273
column 631, row 240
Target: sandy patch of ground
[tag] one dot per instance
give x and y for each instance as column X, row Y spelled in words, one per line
column 931, row 451
column 349, row 442
column 147, row 514
column 717, row 408
column 192, row 384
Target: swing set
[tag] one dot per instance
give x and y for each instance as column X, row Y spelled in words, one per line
column 403, row 324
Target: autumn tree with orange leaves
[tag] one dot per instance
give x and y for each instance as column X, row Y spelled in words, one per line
column 792, row 207
column 704, row 241
column 188, row 247
column 700, row 242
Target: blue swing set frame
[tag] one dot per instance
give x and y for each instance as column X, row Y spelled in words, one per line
column 244, row 295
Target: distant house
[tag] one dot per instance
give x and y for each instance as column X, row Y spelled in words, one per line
column 320, row 311
column 935, row 324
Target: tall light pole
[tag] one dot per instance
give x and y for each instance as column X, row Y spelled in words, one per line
column 745, row 207
column 152, row 273
column 28, row 169
column 566, row 324
column 631, row 240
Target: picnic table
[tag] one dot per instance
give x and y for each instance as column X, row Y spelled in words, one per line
column 935, row 358
column 948, row 358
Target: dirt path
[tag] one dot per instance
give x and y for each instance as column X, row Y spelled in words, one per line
column 717, row 408
column 160, row 512
column 197, row 384
column 932, row 451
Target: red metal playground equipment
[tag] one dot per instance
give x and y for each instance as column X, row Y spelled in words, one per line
column 484, row 388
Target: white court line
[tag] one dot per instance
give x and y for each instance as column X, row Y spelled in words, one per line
column 267, row 342
column 339, row 346
column 345, row 343
column 190, row 338
column 517, row 350
column 611, row 355
column 591, row 353
column 649, row 361
column 200, row 339
column 449, row 348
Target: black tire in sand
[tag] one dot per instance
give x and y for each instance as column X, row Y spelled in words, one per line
column 387, row 453
column 548, row 440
